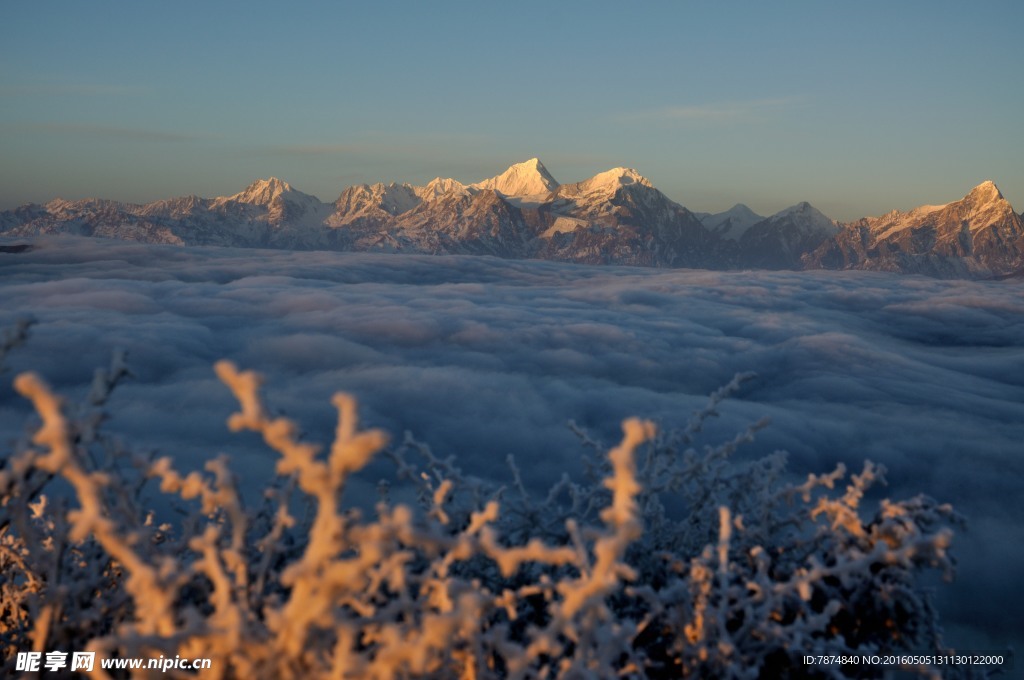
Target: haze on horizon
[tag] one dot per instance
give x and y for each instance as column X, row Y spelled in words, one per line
column 858, row 109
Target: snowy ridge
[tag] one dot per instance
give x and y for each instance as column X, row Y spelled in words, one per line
column 979, row 235
column 438, row 187
column 983, row 203
column 181, row 206
column 616, row 216
column 604, row 184
column 375, row 202
column 260, row 192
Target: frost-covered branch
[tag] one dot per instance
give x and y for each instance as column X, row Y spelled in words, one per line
column 670, row 560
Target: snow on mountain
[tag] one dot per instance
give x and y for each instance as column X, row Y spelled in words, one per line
column 275, row 203
column 982, row 205
column 439, row 187
column 89, row 217
column 616, row 216
column 30, row 213
column 732, row 223
column 260, row 192
column 529, row 178
column 478, row 223
column 600, row 197
column 978, row 235
column 179, row 207
column 372, row 204
column 60, row 207
column 603, row 184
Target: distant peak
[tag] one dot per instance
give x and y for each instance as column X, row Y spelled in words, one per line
column 801, row 207
column 803, row 211
column 742, row 211
column 732, row 223
column 805, row 218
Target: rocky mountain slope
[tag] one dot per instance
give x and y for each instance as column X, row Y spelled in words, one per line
column 978, row 235
column 614, row 217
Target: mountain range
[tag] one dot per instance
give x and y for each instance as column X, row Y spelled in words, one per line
column 615, row 217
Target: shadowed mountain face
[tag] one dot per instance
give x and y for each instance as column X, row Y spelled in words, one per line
column 732, row 223
column 615, row 217
column 779, row 241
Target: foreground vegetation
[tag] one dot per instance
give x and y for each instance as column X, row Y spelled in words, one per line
column 661, row 560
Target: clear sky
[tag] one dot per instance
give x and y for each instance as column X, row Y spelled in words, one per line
column 856, row 107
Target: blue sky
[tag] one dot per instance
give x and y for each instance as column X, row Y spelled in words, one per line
column 856, row 107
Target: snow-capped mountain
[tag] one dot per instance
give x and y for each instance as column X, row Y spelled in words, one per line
column 978, row 235
column 779, row 241
column 593, row 197
column 616, row 216
column 262, row 192
column 480, row 223
column 732, row 223
column 529, row 178
column 267, row 213
column 372, row 205
column 89, row 217
column 275, row 202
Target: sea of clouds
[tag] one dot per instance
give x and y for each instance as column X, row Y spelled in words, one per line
column 482, row 358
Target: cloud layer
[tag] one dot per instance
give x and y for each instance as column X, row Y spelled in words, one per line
column 481, row 358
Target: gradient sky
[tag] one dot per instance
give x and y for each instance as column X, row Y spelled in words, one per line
column 856, row 107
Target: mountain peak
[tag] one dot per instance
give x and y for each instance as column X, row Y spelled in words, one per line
column 620, row 176
column 263, row 191
column 732, row 223
column 807, row 217
column 801, row 208
column 271, row 183
column 986, row 192
column 528, row 178
column 603, row 185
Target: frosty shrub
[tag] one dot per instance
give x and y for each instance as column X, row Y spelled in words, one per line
column 665, row 561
